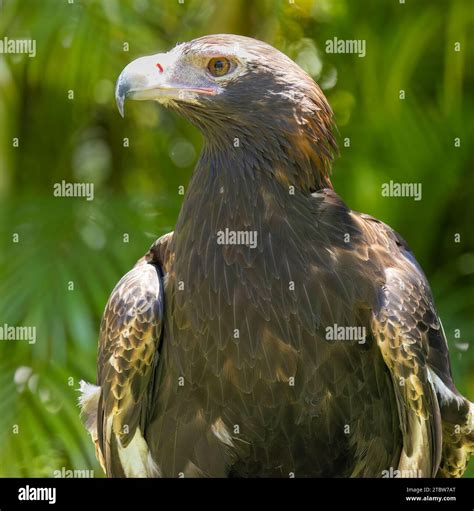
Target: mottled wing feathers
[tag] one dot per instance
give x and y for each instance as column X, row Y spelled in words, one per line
column 400, row 327
column 414, row 347
column 128, row 353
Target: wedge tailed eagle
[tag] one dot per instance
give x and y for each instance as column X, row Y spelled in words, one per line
column 219, row 351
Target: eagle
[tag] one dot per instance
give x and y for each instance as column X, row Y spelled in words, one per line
column 275, row 332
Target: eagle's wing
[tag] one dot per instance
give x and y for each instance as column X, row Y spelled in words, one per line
column 400, row 327
column 116, row 410
column 413, row 345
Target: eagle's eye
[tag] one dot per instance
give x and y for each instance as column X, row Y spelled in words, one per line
column 219, row 66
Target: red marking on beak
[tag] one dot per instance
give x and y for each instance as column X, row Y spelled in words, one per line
column 160, row 67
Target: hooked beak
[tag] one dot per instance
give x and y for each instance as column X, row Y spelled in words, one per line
column 150, row 78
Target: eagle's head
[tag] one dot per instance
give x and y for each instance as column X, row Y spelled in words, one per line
column 234, row 87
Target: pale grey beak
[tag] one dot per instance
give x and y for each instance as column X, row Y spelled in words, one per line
column 151, row 78
column 141, row 79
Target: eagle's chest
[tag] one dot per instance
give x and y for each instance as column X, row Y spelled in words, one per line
column 247, row 357
column 255, row 324
column 230, row 320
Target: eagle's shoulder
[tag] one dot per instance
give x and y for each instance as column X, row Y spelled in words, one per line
column 161, row 252
column 117, row 409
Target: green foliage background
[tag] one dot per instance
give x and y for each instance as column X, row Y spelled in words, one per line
column 80, row 48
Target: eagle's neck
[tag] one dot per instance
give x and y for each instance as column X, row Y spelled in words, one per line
column 235, row 211
column 294, row 146
column 238, row 188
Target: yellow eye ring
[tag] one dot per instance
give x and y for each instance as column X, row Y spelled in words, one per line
column 219, row 66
